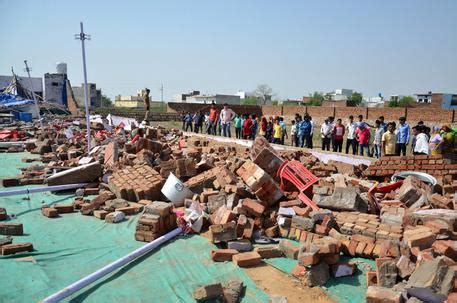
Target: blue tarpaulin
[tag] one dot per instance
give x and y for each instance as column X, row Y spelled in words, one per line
column 8, row 100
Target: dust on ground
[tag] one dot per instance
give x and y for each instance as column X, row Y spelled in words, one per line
column 275, row 282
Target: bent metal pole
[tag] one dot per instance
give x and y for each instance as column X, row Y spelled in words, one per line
column 25, row 191
column 72, row 288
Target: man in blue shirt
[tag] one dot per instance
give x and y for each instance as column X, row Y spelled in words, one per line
column 403, row 134
column 305, row 132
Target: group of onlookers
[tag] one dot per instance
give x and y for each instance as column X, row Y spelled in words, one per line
column 382, row 138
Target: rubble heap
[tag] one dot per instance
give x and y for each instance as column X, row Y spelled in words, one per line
column 409, row 227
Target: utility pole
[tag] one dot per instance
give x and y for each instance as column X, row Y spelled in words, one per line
column 28, row 69
column 82, row 36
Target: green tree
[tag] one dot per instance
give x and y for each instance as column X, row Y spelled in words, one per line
column 355, row 99
column 405, row 101
column 316, row 99
column 250, row 101
column 106, row 102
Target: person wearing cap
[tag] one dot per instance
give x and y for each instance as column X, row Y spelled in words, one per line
column 227, row 115
column 403, row 134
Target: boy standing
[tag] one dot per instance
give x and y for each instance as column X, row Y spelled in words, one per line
column 338, row 136
column 378, row 138
column 389, row 140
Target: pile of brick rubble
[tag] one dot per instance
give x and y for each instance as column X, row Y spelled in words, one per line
column 238, row 203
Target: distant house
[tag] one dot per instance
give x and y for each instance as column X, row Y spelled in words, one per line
column 377, row 101
column 95, row 95
column 217, row 98
column 437, row 100
column 291, row 102
column 55, row 88
column 341, row 94
column 131, row 101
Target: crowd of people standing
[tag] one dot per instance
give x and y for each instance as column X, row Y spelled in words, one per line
column 380, row 139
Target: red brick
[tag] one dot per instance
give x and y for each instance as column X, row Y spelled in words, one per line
column 64, row 209
column 447, row 248
column 49, row 212
column 10, row 249
column 299, row 271
column 308, row 258
column 289, row 249
column 247, row 259
column 253, row 207
column 222, row 255
column 376, row 294
column 371, row 278
column 268, row 252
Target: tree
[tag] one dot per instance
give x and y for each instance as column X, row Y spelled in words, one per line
column 106, row 102
column 355, row 100
column 316, row 99
column 250, row 101
column 264, row 93
column 405, row 101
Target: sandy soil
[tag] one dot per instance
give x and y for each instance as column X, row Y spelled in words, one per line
column 275, row 282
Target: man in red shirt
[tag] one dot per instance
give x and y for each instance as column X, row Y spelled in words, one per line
column 338, row 136
column 247, row 127
column 213, row 117
column 363, row 137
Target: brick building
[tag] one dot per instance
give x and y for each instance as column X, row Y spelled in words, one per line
column 437, row 100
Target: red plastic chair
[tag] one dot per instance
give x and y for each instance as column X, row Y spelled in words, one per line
column 294, row 172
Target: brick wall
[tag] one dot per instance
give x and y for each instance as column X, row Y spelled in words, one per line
column 345, row 112
column 137, row 114
column 271, row 110
column 290, row 111
column 177, row 107
column 389, row 113
column 439, row 166
column 431, row 115
column 334, row 103
column 319, row 113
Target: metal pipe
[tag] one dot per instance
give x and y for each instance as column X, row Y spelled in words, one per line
column 23, row 191
column 72, row 288
column 83, row 37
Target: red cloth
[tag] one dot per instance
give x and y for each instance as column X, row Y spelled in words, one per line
column 213, row 114
column 338, row 132
column 263, row 125
column 363, row 135
column 247, row 127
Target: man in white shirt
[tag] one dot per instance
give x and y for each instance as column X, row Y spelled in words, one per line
column 350, row 139
column 421, row 146
column 227, row 115
column 326, row 134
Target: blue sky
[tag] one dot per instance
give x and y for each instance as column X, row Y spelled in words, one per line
column 296, row 47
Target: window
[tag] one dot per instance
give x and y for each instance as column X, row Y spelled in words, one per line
column 55, row 83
